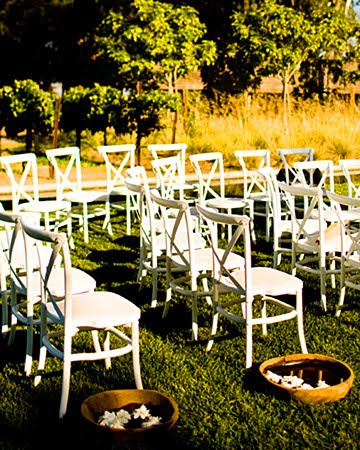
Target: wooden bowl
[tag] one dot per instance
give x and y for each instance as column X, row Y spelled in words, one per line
column 311, row 368
column 160, row 404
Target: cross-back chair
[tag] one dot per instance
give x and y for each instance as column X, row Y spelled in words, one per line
column 85, row 204
column 22, row 171
column 103, row 314
column 188, row 258
column 209, row 169
column 235, row 293
column 118, row 158
column 254, row 188
column 316, row 244
column 350, row 244
column 24, row 302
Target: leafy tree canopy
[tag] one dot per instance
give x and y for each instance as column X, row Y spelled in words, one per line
column 157, row 43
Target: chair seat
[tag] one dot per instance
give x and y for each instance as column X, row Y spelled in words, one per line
column 80, row 282
column 119, row 190
column 204, row 260
column 99, row 310
column 332, row 243
column 180, row 241
column 43, row 206
column 266, row 281
column 226, row 203
column 85, row 196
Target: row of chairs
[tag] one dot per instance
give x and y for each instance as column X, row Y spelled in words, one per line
column 74, row 202
column 42, row 290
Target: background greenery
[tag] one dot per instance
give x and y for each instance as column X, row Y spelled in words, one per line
column 221, row 405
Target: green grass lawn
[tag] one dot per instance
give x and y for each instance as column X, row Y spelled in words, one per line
column 221, row 404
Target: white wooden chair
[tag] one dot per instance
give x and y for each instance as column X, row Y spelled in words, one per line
column 100, row 313
column 282, row 223
column 235, row 293
column 118, row 158
column 152, row 243
column 85, row 204
column 350, row 241
column 25, row 191
column 313, row 251
column 24, row 301
column 254, row 188
column 209, row 169
column 188, row 258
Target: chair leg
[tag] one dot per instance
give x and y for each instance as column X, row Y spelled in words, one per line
column 65, row 387
column 341, row 300
column 29, row 346
column 195, row 325
column 4, row 309
column 300, row 321
column 214, row 325
column 249, row 344
column 41, row 365
column 154, row 288
column 86, row 222
column 136, row 354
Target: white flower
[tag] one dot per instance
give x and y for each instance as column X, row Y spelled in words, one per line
column 123, row 416
column 321, row 384
column 273, row 376
column 152, row 421
column 108, row 418
column 141, row 412
column 307, row 386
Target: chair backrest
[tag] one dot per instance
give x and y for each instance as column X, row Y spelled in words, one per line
column 12, row 245
column 137, row 183
column 24, row 187
column 251, row 161
column 290, row 155
column 209, row 169
column 316, row 173
column 268, row 174
column 342, row 204
column 64, row 160
column 169, row 176
column 118, row 158
column 166, row 150
column 351, row 171
column 178, row 224
column 35, row 238
column 241, row 232
column 313, row 213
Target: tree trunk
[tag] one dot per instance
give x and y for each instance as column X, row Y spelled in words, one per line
column 28, row 139
column 138, row 149
column 78, row 137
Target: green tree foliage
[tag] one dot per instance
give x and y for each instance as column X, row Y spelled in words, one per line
column 24, row 106
column 272, row 40
column 339, row 46
column 95, row 109
column 145, row 112
column 158, row 43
